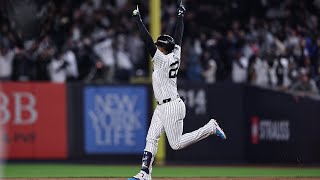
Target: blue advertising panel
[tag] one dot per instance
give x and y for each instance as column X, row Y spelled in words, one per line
column 115, row 119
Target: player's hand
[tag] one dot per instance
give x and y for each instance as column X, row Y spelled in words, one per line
column 136, row 14
column 181, row 10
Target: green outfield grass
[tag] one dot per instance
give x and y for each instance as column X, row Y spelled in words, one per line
column 70, row 170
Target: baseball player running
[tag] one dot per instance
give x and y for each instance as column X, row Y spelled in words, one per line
column 170, row 111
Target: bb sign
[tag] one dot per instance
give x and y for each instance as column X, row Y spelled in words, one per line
column 23, row 103
column 33, row 120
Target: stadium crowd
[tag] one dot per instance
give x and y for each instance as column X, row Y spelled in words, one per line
column 268, row 43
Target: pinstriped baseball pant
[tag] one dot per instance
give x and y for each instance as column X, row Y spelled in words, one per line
column 169, row 117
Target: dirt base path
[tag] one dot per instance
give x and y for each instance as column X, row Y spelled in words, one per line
column 275, row 178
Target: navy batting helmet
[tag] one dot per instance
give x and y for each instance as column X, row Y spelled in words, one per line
column 165, row 41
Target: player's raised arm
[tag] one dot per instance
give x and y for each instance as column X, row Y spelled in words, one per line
column 151, row 47
column 179, row 26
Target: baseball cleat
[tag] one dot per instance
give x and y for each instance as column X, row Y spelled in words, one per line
column 133, row 178
column 218, row 131
column 141, row 176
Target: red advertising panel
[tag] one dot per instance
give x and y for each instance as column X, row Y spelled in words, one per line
column 33, row 121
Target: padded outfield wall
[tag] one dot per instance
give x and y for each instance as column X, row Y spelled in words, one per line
column 109, row 123
column 262, row 126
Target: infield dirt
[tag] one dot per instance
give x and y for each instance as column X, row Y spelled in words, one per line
column 269, row 178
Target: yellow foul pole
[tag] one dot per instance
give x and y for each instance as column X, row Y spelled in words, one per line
column 155, row 30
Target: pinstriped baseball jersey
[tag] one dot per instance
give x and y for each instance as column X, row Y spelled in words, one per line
column 169, row 116
column 164, row 76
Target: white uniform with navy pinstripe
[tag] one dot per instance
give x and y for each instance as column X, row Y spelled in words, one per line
column 169, row 116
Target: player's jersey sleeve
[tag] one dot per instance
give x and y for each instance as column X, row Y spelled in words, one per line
column 159, row 59
column 177, row 52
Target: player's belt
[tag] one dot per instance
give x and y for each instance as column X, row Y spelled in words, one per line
column 167, row 100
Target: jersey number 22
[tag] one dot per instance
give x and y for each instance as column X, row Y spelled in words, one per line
column 173, row 72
